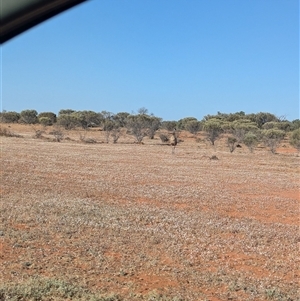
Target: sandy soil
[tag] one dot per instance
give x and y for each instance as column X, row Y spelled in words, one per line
column 137, row 220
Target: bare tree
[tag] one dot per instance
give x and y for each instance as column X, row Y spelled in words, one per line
column 116, row 133
column 143, row 111
column 138, row 126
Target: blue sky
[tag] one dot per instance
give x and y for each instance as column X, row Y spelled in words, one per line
column 177, row 58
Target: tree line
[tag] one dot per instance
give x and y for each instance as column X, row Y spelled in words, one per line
column 249, row 129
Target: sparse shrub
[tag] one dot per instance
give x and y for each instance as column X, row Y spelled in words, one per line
column 68, row 121
column 45, row 121
column 28, row 117
column 9, row 117
column 270, row 125
column 272, row 138
column 250, row 140
column 295, row 139
column 164, row 138
column 295, row 124
column 153, row 125
column 50, row 115
column 261, row 118
column 120, row 118
column 231, row 143
column 213, row 129
column 38, row 134
column 88, row 118
column 239, row 128
column 84, row 139
column 116, row 133
column 138, row 126
column 169, row 125
column 193, row 126
column 181, row 124
column 108, row 126
column 58, row 134
column 7, row 133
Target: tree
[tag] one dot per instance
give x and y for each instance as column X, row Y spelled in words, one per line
column 239, row 128
column 68, row 121
column 138, row 125
column 213, row 129
column 66, row 111
column 116, row 132
column 29, row 116
column 9, row 117
column 226, row 117
column 169, row 125
column 181, row 124
column 261, row 118
column 88, row 118
column 143, row 111
column 250, row 140
column 193, row 126
column 153, row 125
column 272, row 138
column 295, row 139
column 107, row 124
column 120, row 118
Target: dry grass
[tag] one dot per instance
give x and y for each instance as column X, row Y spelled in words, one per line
column 140, row 223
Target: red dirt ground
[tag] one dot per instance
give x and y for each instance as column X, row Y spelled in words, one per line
column 134, row 219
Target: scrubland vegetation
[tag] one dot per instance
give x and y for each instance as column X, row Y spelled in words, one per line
column 84, row 219
column 249, row 129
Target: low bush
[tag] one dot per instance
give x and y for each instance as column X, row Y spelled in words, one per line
column 164, row 138
column 5, row 132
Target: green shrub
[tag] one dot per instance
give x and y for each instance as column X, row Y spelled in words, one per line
column 272, row 138
column 45, row 121
column 250, row 140
column 9, row 117
column 295, row 139
column 49, row 115
column 28, row 117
